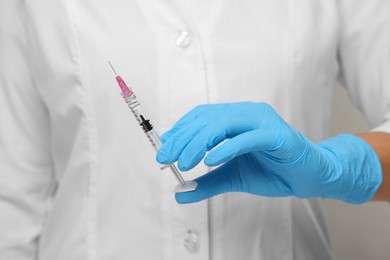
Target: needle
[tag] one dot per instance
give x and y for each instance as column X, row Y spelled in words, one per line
column 112, row 68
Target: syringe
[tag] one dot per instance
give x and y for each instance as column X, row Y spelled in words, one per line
column 154, row 139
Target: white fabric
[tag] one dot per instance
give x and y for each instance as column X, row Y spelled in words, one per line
column 78, row 179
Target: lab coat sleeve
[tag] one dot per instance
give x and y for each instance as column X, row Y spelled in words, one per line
column 364, row 54
column 25, row 164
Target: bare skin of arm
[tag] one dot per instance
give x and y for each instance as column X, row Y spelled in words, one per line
column 380, row 142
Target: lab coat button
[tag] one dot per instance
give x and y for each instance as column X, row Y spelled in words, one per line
column 183, row 39
column 191, row 241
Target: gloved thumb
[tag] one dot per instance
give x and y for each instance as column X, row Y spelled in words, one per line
column 211, row 184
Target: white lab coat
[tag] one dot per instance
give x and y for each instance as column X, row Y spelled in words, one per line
column 78, row 179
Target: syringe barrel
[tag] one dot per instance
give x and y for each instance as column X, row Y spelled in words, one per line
column 138, row 113
column 151, row 134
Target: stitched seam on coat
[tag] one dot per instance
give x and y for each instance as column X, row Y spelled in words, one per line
column 290, row 98
column 91, row 140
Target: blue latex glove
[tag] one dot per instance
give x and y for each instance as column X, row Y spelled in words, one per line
column 267, row 157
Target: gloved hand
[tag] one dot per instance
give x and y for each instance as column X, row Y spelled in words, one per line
column 267, row 157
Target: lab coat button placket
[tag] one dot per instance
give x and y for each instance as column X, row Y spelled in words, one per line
column 191, row 241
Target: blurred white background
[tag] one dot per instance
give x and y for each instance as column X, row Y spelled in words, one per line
column 357, row 232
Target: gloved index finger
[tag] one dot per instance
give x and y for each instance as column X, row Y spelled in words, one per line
column 256, row 140
column 184, row 120
column 173, row 147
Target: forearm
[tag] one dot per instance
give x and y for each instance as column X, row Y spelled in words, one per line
column 380, row 142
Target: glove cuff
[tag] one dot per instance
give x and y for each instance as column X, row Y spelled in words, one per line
column 359, row 172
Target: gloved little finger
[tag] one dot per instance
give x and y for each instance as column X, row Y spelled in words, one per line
column 216, row 182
